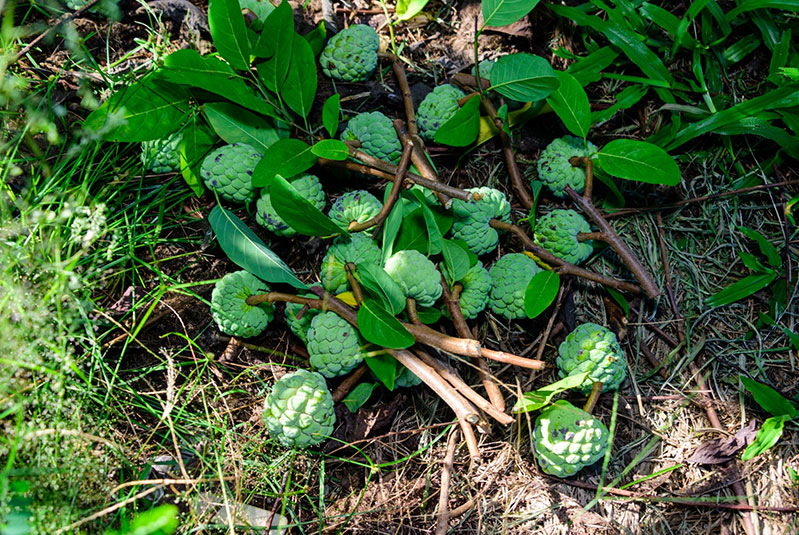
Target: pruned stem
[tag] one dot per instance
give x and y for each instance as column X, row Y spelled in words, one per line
column 410, row 308
column 588, row 236
column 467, row 80
column 589, row 173
column 350, row 269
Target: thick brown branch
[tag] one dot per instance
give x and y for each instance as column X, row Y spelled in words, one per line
column 467, row 80
column 349, row 383
column 405, row 90
column 587, row 236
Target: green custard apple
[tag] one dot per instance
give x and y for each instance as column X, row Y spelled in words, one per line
column 476, row 287
column 228, row 171
column 351, row 54
column 333, row 345
column 306, row 185
column 161, row 155
column 510, row 276
column 359, row 247
column 358, row 205
column 557, row 233
column 229, row 306
column 376, row 134
column 437, row 108
column 299, row 410
column 556, row 171
column 299, row 325
column 472, row 219
column 417, row 275
column 595, row 349
column 567, row 439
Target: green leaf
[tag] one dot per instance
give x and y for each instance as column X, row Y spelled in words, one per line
column 316, row 38
column 161, row 520
column 541, row 292
column 247, row 251
column 456, row 260
column 229, row 32
column 537, row 399
column 381, row 327
column 392, row 224
column 384, row 367
column 768, row 435
column 276, row 43
column 792, row 336
column 523, row 77
column 299, row 89
column 620, row 299
column 588, row 69
column 750, row 5
column 640, row 161
column 428, row 315
column 331, row 114
column 413, row 233
column 772, row 401
column 332, row 149
column 462, row 128
column 570, row 103
column 287, row 157
column 376, row 281
column 359, row 395
column 743, row 288
column 234, row 124
column 433, row 232
column 197, row 142
column 299, row 213
column 768, row 250
column 626, row 98
column 504, row 12
column 407, row 9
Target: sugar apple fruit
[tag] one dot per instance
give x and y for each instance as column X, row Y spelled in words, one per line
column 476, row 287
column 228, row 171
column 472, row 219
column 557, row 233
column 510, row 276
column 358, row 205
column 300, row 325
column 299, row 410
column 377, row 135
column 555, row 170
column 351, row 54
column 333, row 345
column 306, row 185
column 437, row 108
column 567, row 439
column 161, row 155
column 229, row 306
column 593, row 348
column 405, row 378
column 359, row 247
column 417, row 276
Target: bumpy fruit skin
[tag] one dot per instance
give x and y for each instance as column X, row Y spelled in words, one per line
column 358, row 205
column 568, row 439
column 333, row 345
column 299, row 410
column 357, row 248
column 405, row 378
column 555, row 170
column 417, row 276
column 593, row 348
column 306, row 185
column 228, row 171
column 472, row 219
column 300, row 326
column 377, row 135
column 557, row 233
column 161, row 155
column 510, row 276
column 229, row 307
column 437, row 108
column 476, row 287
column 351, row 54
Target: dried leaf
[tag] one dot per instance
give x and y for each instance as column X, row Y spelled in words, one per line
column 721, row 450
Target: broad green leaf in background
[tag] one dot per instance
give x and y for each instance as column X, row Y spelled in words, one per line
column 196, row 143
column 433, row 232
column 407, row 9
column 570, row 103
column 331, row 113
column 743, row 288
column 541, row 292
column 640, row 161
column 379, row 283
column 384, row 367
column 588, row 69
column 531, row 401
column 381, row 328
column 279, row 33
column 316, row 38
column 247, row 251
column 299, row 213
column 229, row 32
column 768, row 435
column 287, row 157
column 234, row 124
column 765, row 129
column 332, row 149
column 392, row 224
column 456, row 260
column 768, row 250
column 428, row 315
column 768, row 398
column 299, row 89
column 504, row 12
column 413, row 233
column 523, row 77
column 359, row 396
column 462, row 128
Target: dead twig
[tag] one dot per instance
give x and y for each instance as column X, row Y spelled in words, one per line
column 349, row 383
column 442, row 524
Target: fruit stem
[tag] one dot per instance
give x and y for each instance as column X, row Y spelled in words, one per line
column 410, row 308
column 585, row 161
column 587, row 236
column 596, row 391
column 351, row 268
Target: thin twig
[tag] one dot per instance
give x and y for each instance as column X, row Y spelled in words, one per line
column 349, row 383
column 350, row 268
column 442, row 524
column 410, row 308
column 540, row 353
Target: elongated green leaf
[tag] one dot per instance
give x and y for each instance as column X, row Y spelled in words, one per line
column 316, row 38
column 433, row 231
column 456, row 260
column 381, row 328
column 620, row 299
column 462, row 128
column 407, row 9
column 570, row 103
column 751, row 5
column 768, row 435
column 392, row 224
column 331, row 114
column 287, row 157
column 234, row 124
column 413, row 233
column 376, row 281
column 229, row 32
column 743, row 288
column 763, row 128
column 299, row 213
column 359, row 396
column 768, row 398
column 504, row 12
column 588, row 69
column 639, row 161
column 332, row 149
column 299, row 89
column 247, row 250
column 428, row 315
column 768, row 250
column 385, row 368
column 537, row 399
column 196, row 143
column 523, row 77
column 628, row 97
column 276, row 43
column 541, row 292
